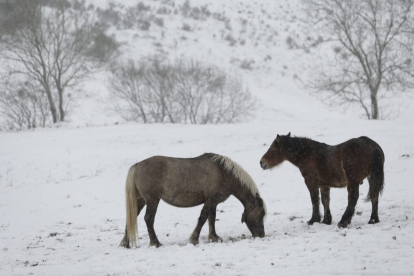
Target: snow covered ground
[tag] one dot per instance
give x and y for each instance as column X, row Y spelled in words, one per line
column 62, row 206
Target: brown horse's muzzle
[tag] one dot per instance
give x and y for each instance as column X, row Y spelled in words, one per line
column 263, row 164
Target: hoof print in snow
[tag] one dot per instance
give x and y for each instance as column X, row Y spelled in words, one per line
column 292, row 218
column 54, row 234
column 405, row 156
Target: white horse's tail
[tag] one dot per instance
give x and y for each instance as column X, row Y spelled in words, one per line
column 131, row 231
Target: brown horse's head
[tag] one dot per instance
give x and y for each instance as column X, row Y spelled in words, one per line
column 276, row 154
column 253, row 216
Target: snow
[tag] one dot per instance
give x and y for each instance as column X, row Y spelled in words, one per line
column 62, row 202
column 70, row 181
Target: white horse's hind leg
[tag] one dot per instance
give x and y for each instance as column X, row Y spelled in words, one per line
column 150, row 213
column 125, row 240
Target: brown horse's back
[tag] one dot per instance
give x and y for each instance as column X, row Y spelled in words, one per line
column 181, row 182
column 337, row 164
column 358, row 157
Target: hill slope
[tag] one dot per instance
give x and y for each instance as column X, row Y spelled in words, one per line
column 62, row 202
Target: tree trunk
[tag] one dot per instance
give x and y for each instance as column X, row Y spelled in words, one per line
column 374, row 106
column 52, row 106
column 61, row 110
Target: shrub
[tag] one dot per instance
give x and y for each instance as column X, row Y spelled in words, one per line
column 155, row 91
column 159, row 21
column 186, row 27
column 23, row 105
column 103, row 46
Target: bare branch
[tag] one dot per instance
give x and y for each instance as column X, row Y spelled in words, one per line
column 374, row 49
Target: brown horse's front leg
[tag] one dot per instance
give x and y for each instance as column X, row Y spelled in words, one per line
column 312, row 185
column 353, row 195
column 212, row 235
column 152, row 206
column 201, row 220
column 325, row 195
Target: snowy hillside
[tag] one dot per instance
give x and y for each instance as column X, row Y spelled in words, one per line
column 258, row 41
column 62, row 202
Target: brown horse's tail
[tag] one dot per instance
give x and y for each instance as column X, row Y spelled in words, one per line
column 376, row 178
column 131, row 191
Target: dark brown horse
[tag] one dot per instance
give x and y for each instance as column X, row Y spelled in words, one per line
column 187, row 182
column 324, row 166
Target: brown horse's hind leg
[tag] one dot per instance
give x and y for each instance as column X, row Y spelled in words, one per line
column 353, row 195
column 374, row 215
column 212, row 235
column 327, row 217
column 201, row 220
column 152, row 206
column 374, row 200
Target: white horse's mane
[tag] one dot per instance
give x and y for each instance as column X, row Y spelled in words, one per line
column 245, row 179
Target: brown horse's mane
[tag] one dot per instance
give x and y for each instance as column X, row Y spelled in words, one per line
column 299, row 147
column 296, row 143
column 239, row 173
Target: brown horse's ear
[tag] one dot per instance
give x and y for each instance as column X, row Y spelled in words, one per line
column 258, row 201
column 288, row 134
column 277, row 138
column 243, row 217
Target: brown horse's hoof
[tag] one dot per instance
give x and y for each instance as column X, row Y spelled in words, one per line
column 327, row 222
column 327, row 219
column 193, row 239
column 215, row 239
column 125, row 243
column 312, row 221
column 156, row 244
column 344, row 224
column 373, row 221
column 194, row 242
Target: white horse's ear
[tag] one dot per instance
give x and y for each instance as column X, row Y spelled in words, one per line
column 288, row 134
column 243, row 218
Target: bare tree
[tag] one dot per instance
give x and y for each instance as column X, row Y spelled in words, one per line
column 373, row 49
column 126, row 83
column 52, row 51
column 144, row 91
column 209, row 95
column 196, row 83
column 161, row 85
column 155, row 91
column 23, row 104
